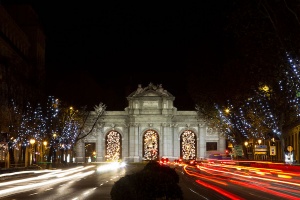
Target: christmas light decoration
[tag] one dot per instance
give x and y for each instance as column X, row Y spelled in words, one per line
column 261, row 113
column 151, row 145
column 188, row 145
column 113, row 146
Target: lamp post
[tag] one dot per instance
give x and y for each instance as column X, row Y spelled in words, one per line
column 259, row 141
column 246, row 145
column 32, row 141
column 44, row 150
column 259, row 150
column 54, row 148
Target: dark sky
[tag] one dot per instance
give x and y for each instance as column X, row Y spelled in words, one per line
column 100, row 52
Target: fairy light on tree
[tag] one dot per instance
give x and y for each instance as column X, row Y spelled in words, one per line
column 52, row 125
column 39, row 128
column 75, row 124
column 69, row 132
column 12, row 120
column 290, row 84
column 60, row 128
column 15, row 120
column 253, row 118
column 264, row 114
column 232, row 123
column 26, row 126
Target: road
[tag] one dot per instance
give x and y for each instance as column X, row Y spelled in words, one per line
column 227, row 181
column 205, row 181
column 89, row 182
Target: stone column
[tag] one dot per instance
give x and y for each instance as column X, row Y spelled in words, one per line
column 136, row 143
column 167, row 140
column 202, row 142
column 176, row 141
column 124, row 141
column 171, row 131
column 162, row 142
column 131, row 142
column 80, row 157
column 222, row 143
column 100, row 145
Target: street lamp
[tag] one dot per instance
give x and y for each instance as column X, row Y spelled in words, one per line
column 259, row 141
column 32, row 141
column 45, row 146
column 227, row 110
column 246, row 145
column 54, row 148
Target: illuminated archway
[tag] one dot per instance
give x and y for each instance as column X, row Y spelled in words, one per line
column 90, row 152
column 150, row 145
column 188, row 144
column 113, row 145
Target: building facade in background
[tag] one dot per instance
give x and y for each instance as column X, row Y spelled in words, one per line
column 148, row 129
column 292, row 141
column 22, row 64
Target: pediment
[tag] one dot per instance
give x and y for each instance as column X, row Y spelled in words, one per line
column 150, row 90
column 150, row 94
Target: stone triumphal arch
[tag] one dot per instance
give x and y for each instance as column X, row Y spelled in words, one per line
column 148, row 129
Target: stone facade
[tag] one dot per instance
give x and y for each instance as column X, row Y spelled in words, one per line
column 150, row 110
column 22, row 62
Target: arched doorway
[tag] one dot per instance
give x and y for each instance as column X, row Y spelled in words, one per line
column 113, row 144
column 90, row 152
column 188, row 144
column 150, row 145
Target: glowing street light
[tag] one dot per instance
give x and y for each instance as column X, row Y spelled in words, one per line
column 259, row 141
column 44, row 150
column 55, row 145
column 247, row 150
column 265, row 88
column 227, row 110
column 32, row 141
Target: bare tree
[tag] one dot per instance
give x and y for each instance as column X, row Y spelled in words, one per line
column 90, row 120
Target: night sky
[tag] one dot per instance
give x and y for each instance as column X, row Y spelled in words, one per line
column 100, row 52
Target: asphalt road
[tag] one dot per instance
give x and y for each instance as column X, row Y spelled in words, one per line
column 209, row 182
column 86, row 184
